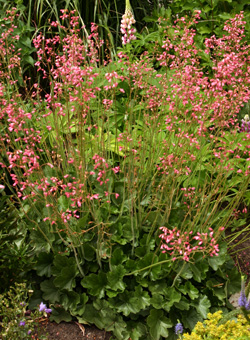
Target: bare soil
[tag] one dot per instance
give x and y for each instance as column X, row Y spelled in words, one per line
column 73, row 331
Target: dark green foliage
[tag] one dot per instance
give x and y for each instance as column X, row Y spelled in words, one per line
column 15, row 251
column 141, row 294
column 213, row 13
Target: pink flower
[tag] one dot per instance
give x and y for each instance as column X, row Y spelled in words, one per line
column 126, row 25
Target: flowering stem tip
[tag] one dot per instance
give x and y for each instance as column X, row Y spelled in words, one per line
column 126, row 24
column 178, row 328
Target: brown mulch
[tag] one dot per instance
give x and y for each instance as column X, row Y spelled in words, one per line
column 73, row 331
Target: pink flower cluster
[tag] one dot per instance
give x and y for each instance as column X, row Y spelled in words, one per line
column 184, row 244
column 126, row 27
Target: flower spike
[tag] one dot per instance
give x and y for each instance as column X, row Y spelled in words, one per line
column 126, row 24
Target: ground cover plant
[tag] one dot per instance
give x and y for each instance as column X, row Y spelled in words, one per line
column 16, row 321
column 127, row 172
column 232, row 325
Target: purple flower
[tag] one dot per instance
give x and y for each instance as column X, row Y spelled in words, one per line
column 22, row 323
column 42, row 307
column 243, row 301
column 178, row 328
column 29, row 332
column 48, row 310
column 245, row 124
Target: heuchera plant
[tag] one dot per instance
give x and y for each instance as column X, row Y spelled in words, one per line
column 114, row 151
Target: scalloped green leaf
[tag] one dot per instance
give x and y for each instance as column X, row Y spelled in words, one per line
column 190, row 318
column 95, row 283
column 44, row 263
column 172, row 295
column 203, row 306
column 137, row 330
column 159, row 302
column 66, row 279
column 115, row 278
column 158, row 324
column 60, row 262
column 133, row 302
column 41, row 243
column 59, row 314
column 50, row 291
column 189, row 289
column 118, row 257
column 69, row 300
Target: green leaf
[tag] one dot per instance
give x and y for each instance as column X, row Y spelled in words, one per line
column 80, row 308
column 95, row 283
column 92, row 316
column 59, row 314
column 28, row 59
column 44, row 263
column 39, row 241
column 158, row 324
column 60, row 262
column 204, row 30
column 172, row 295
column 89, row 252
column 190, row 290
column 69, row 300
column 183, row 304
column 137, row 330
column 26, row 41
column 118, row 257
column 50, row 292
column 66, row 279
column 217, row 261
column 203, row 306
column 115, row 278
column 147, row 261
column 159, row 302
column 190, row 318
column 132, row 302
column 63, row 203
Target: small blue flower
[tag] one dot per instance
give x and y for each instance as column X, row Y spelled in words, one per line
column 42, row 307
column 178, row 328
column 22, row 323
column 243, row 301
column 48, row 310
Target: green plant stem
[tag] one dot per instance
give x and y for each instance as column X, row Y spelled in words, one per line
column 152, row 265
column 179, row 273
